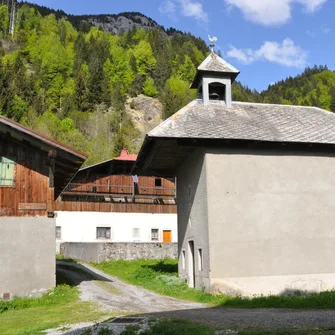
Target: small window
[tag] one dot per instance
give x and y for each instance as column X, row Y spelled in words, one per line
column 58, row 232
column 6, row 171
column 154, row 234
column 183, row 259
column 158, row 182
column 136, row 232
column 103, row 233
column 200, row 264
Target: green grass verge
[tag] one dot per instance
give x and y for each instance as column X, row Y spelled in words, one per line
column 162, row 277
column 29, row 316
column 60, row 257
column 178, row 327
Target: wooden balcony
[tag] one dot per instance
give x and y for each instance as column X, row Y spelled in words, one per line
column 120, row 191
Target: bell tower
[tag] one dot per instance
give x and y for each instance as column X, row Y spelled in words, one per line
column 214, row 78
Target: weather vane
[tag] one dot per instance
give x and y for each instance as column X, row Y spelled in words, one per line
column 212, row 42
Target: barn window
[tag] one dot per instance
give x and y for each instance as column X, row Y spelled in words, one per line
column 158, row 182
column 6, row 171
column 58, row 232
column 154, row 235
column 103, row 233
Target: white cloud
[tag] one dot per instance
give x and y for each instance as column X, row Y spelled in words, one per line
column 168, row 8
column 310, row 33
column 311, row 6
column 272, row 12
column 188, row 8
column 325, row 29
column 285, row 53
column 193, row 9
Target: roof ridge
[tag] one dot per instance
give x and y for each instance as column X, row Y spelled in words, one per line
column 279, row 105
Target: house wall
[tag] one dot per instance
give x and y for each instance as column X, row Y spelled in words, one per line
column 81, row 226
column 30, row 195
column 271, row 223
column 192, row 220
column 27, row 262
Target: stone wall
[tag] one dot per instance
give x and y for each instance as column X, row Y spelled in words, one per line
column 99, row 252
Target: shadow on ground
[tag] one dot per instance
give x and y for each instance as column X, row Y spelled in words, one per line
column 163, row 267
column 73, row 274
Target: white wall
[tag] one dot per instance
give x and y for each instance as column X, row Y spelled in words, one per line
column 271, row 221
column 81, row 226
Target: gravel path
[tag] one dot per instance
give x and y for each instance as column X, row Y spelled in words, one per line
column 117, row 296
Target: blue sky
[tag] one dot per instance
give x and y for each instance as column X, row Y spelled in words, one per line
column 267, row 40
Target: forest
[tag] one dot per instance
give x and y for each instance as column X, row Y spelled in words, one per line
column 71, row 82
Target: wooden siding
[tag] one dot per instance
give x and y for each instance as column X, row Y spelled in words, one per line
column 116, row 193
column 89, row 206
column 31, row 182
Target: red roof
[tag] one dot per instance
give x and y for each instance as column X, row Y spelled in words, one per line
column 126, row 156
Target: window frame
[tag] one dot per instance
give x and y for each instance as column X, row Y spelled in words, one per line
column 158, row 182
column 183, row 259
column 138, row 234
column 151, row 235
column 105, row 235
column 58, row 230
column 200, row 260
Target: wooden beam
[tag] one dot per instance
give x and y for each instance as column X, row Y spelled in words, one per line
column 32, row 206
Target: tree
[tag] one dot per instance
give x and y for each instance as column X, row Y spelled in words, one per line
column 4, row 20
column 145, row 60
column 149, row 88
column 176, row 95
column 332, row 95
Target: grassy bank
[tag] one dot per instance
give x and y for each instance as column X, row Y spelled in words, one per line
column 162, row 277
column 29, row 316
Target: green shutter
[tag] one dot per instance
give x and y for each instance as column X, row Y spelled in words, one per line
column 6, row 171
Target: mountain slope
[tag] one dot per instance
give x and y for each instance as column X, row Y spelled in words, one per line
column 73, row 84
column 314, row 87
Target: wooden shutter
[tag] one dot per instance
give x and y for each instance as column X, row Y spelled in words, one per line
column 6, row 171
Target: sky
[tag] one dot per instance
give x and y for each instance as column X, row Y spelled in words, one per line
column 267, row 40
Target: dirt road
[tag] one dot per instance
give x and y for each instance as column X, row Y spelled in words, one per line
column 115, row 295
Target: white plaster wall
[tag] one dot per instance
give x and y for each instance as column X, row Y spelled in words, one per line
column 81, row 226
column 271, row 221
column 192, row 220
column 27, row 261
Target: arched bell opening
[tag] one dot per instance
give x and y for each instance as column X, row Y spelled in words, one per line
column 217, row 92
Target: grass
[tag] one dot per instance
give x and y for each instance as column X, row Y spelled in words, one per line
column 178, row 327
column 29, row 316
column 162, row 277
column 60, row 257
column 313, row 331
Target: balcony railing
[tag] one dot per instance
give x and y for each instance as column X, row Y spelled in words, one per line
column 116, row 191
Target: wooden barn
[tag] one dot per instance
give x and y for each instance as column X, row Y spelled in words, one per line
column 131, row 208
column 34, row 170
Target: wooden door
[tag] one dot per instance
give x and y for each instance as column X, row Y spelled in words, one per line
column 167, row 236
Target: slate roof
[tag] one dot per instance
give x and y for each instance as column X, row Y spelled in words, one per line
column 214, row 63
column 249, row 121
